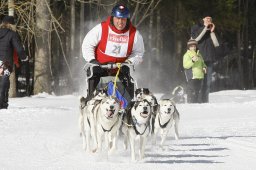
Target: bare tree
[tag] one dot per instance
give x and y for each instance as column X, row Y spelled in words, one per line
column 41, row 72
column 12, row 91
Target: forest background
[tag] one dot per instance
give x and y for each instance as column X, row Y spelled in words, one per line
column 52, row 32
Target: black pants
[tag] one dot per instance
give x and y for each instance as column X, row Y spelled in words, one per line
column 5, row 86
column 193, row 90
column 124, row 77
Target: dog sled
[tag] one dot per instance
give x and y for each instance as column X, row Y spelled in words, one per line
column 113, row 84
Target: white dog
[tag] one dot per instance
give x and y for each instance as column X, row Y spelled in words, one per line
column 87, row 122
column 108, row 121
column 137, row 126
column 166, row 116
column 86, row 117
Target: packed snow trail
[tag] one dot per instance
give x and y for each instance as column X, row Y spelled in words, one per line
column 41, row 132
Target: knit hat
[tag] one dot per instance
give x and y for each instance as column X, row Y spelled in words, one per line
column 8, row 19
column 191, row 42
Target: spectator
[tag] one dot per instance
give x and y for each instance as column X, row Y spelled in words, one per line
column 195, row 69
column 204, row 34
column 9, row 41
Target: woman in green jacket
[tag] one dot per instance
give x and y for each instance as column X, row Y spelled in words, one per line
column 195, row 69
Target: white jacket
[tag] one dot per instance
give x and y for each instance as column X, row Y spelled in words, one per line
column 93, row 37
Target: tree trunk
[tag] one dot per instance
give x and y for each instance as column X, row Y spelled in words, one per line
column 240, row 68
column 72, row 33
column 150, row 46
column 12, row 91
column 42, row 55
column 247, row 69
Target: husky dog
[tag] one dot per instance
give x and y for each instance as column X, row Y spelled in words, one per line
column 86, row 117
column 140, row 93
column 154, row 108
column 137, row 126
column 108, row 121
column 166, row 116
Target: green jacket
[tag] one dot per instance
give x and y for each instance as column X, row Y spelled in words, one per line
column 193, row 70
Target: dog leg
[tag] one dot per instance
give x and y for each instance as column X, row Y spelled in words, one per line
column 164, row 135
column 176, row 130
column 154, row 136
column 132, row 143
column 93, row 133
column 88, row 134
column 113, row 143
column 81, row 123
column 99, row 140
column 125, row 138
column 142, row 147
column 84, row 138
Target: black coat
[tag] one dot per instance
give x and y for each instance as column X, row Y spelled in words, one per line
column 205, row 45
column 9, row 40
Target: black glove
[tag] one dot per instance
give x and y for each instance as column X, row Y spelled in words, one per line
column 94, row 61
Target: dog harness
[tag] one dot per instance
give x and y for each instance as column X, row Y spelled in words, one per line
column 164, row 125
column 115, row 45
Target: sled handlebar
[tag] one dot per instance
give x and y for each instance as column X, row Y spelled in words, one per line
column 107, row 66
column 89, row 66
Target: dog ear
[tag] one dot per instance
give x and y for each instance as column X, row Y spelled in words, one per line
column 137, row 91
column 173, row 103
column 83, row 101
column 156, row 103
column 146, row 91
column 136, row 104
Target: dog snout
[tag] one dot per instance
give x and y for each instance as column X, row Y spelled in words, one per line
column 111, row 107
column 145, row 108
column 169, row 109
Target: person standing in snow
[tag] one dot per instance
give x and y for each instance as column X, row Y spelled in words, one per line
column 195, row 69
column 115, row 40
column 204, row 34
column 9, row 41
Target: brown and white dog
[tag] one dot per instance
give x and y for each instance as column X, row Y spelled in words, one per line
column 137, row 126
column 166, row 116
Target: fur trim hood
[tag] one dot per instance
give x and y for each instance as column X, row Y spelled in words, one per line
column 5, row 28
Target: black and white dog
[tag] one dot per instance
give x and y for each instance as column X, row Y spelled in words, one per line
column 137, row 126
column 144, row 93
column 108, row 121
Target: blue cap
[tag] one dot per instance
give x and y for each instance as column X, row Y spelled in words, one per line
column 120, row 11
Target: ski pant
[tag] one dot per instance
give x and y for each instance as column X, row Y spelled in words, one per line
column 4, row 92
column 193, row 90
column 99, row 72
column 206, row 86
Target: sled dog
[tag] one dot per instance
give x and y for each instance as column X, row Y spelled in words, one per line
column 108, row 121
column 86, row 117
column 140, row 93
column 166, row 116
column 137, row 126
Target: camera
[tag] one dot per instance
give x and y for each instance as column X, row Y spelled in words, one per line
column 210, row 26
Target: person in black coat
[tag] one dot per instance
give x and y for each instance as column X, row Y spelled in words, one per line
column 9, row 41
column 204, row 34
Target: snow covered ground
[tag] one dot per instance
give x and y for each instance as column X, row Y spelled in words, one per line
column 41, row 132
